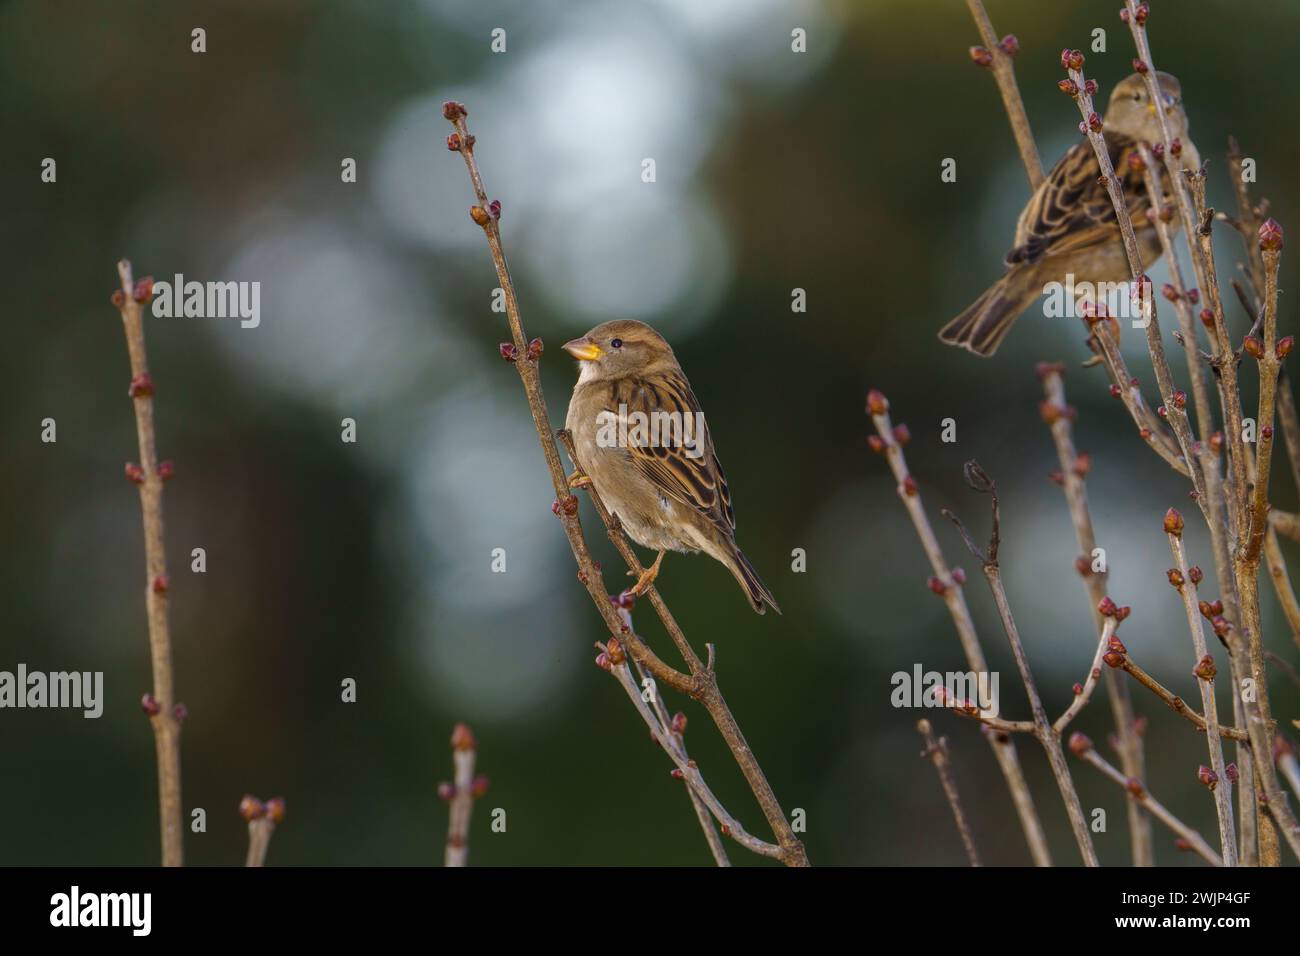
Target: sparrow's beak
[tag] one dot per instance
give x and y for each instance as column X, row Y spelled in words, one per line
column 584, row 349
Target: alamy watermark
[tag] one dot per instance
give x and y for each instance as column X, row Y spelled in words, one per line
column 1121, row 300
column 962, row 689
column 77, row 690
column 656, row 429
column 209, row 300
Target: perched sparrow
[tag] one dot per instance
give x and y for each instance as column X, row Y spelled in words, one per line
column 1069, row 225
column 641, row 440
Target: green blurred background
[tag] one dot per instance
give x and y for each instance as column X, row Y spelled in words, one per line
column 372, row 560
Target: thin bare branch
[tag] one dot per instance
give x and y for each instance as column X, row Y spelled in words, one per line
column 165, row 714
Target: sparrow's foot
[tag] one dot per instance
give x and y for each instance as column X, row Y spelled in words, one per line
column 579, row 480
column 647, row 577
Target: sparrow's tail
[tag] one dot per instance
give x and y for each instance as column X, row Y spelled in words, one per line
column 751, row 582
column 983, row 326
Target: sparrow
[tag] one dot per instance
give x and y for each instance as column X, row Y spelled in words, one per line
column 641, row 440
column 1069, row 225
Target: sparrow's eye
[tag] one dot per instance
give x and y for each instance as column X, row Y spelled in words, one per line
column 616, row 343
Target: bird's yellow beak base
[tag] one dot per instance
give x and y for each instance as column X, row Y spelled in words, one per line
column 584, row 349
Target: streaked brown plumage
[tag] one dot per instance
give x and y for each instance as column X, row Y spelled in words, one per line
column 1069, row 225
column 671, row 494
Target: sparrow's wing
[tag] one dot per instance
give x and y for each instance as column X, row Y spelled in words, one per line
column 681, row 463
column 1072, row 209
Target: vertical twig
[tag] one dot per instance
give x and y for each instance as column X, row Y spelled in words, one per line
column 1185, row 581
column 937, row 752
column 164, row 713
column 461, row 794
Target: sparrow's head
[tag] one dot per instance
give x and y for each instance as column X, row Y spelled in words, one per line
column 620, row 348
column 1133, row 112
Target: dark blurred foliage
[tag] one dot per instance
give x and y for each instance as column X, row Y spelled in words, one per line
column 319, row 552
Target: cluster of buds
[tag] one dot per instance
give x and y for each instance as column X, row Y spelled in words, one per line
column 1140, row 14
column 1116, row 653
column 456, row 143
column 452, row 111
column 251, row 808
column 1071, row 60
column 1211, row 610
column 568, row 505
column 1092, row 123
column 149, row 704
column 1108, row 608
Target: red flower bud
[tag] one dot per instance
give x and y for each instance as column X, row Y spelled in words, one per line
column 909, row 486
column 1284, row 346
column 936, row 585
column 980, row 56
column 446, row 791
column 1173, row 523
column 508, row 351
column 1143, row 11
column 1139, row 66
column 251, row 808
column 1175, row 577
column 150, row 705
column 1010, row 45
column 902, row 434
column 1270, row 235
column 877, row 404
column 1068, row 87
column 141, row 386
column 462, row 738
column 453, row 142
column 679, row 723
column 275, row 809
column 534, row 351
column 1107, row 607
column 134, row 473
column 161, row 584
column 1134, row 786
column 479, row 786
column 1205, row 668
column 959, row 575
column 1253, row 347
column 180, row 712
column 1208, row 777
column 1090, row 87
column 876, row 443
column 1079, row 744
column 453, row 111
column 1195, row 574
column 1115, row 391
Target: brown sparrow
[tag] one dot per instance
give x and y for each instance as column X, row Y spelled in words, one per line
column 641, row 440
column 1069, row 226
